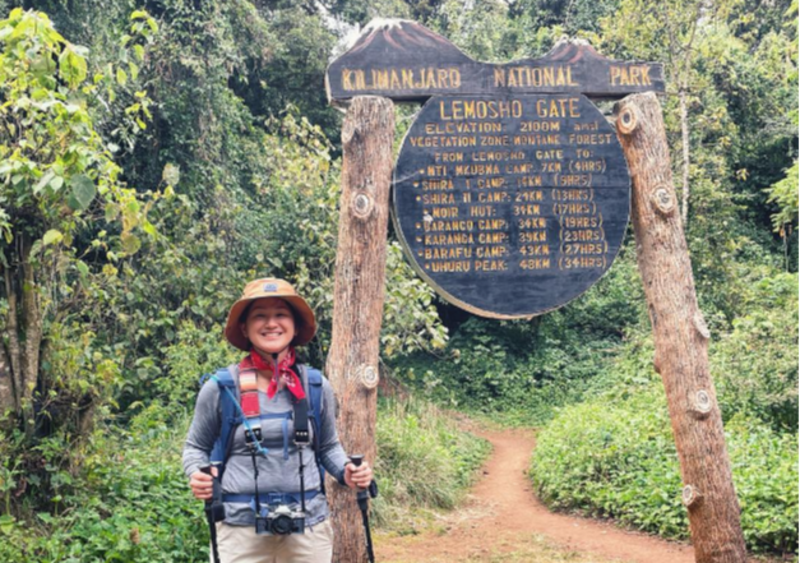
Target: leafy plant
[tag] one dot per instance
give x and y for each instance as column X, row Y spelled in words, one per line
column 618, row 459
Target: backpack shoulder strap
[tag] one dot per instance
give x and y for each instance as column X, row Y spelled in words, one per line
column 228, row 414
column 315, row 391
column 314, row 377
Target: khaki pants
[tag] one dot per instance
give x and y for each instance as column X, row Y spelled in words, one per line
column 240, row 544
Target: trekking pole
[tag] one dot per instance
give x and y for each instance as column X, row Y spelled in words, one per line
column 363, row 504
column 214, row 511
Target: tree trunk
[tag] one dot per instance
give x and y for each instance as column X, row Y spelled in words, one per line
column 686, row 162
column 32, row 319
column 680, row 334
column 6, row 386
column 14, row 348
column 23, row 327
column 367, row 137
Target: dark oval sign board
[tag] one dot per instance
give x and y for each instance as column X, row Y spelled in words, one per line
column 511, row 205
column 402, row 60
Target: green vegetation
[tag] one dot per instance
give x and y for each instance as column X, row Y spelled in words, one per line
column 617, row 459
column 519, row 372
column 129, row 500
column 424, row 462
column 155, row 155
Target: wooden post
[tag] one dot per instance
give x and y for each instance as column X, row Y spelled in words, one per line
column 352, row 366
column 681, row 335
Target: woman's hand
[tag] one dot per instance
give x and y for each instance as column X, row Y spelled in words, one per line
column 358, row 477
column 202, row 484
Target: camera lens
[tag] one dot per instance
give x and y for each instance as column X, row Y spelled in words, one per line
column 281, row 525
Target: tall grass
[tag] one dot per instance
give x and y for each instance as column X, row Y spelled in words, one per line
column 425, row 462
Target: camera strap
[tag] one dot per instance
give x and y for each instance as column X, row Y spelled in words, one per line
column 302, row 437
column 255, row 480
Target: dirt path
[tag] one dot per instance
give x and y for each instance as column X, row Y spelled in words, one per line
column 503, row 516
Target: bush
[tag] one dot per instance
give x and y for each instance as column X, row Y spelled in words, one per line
column 755, row 365
column 516, row 372
column 196, row 352
column 133, row 504
column 618, row 459
column 424, row 461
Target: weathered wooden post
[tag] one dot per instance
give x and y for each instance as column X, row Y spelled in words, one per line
column 352, row 365
column 680, row 333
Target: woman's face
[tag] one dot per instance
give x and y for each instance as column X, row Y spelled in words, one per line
column 269, row 325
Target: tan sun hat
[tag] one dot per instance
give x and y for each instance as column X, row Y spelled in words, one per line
column 262, row 289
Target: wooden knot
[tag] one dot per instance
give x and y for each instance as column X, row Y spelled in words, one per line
column 701, row 326
column 690, row 496
column 627, row 121
column 664, row 201
column 368, row 376
column 701, row 404
column 349, row 129
column 362, row 205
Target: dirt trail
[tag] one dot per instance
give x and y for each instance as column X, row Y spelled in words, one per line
column 503, row 514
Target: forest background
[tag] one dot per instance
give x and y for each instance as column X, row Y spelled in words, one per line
column 157, row 154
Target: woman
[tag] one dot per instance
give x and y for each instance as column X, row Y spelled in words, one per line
column 267, row 322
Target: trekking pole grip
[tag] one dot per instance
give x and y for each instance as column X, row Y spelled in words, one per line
column 214, row 504
column 356, row 460
column 207, row 470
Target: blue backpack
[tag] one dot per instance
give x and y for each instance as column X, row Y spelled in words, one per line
column 232, row 416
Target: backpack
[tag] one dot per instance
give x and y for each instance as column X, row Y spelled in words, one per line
column 231, row 414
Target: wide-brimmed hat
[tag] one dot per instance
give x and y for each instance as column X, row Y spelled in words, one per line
column 265, row 288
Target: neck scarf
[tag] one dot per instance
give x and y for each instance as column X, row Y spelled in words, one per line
column 287, row 377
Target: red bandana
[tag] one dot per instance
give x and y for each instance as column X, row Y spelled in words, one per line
column 288, row 376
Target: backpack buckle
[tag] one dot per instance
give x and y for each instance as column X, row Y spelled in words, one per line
column 252, row 436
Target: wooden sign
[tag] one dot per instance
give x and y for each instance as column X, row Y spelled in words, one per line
column 403, row 60
column 511, row 205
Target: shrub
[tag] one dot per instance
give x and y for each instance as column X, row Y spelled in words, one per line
column 520, row 371
column 755, row 365
column 133, row 504
column 618, row 459
column 515, row 372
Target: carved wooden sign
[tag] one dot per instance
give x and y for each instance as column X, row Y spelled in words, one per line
column 403, row 60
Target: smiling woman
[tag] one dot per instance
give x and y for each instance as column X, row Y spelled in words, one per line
column 269, row 325
column 272, row 505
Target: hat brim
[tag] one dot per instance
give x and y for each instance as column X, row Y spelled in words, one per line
column 303, row 314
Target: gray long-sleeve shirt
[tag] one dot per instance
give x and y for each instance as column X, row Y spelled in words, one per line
column 279, row 470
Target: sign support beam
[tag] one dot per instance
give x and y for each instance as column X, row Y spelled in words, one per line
column 352, row 365
column 681, row 335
